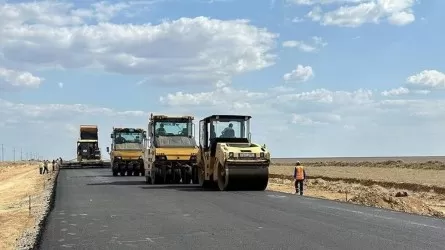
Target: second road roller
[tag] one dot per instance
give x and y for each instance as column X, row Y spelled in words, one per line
column 227, row 158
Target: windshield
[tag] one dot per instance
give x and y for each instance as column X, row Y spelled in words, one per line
column 229, row 128
column 175, row 128
column 128, row 137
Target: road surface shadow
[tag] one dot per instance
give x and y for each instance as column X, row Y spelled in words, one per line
column 118, row 183
column 178, row 187
column 91, row 176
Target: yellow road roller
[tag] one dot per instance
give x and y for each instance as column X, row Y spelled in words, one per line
column 227, row 158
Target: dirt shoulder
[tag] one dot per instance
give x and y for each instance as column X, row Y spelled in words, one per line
column 420, row 191
column 21, row 185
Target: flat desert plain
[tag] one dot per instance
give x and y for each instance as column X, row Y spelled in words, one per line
column 408, row 184
column 22, row 203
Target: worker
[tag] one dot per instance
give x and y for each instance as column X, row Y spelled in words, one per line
column 160, row 130
column 228, row 132
column 299, row 176
column 54, row 163
column 45, row 166
column 119, row 139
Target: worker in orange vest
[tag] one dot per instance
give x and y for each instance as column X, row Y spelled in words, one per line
column 299, row 176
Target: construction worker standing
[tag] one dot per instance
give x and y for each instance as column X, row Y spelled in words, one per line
column 45, row 166
column 299, row 176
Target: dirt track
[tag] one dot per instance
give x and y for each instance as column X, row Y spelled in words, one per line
column 369, row 183
column 19, row 184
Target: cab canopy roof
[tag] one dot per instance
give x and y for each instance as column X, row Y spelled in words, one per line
column 127, row 130
column 234, row 117
column 170, row 117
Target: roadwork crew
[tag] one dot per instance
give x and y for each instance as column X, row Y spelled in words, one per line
column 299, row 176
column 45, row 167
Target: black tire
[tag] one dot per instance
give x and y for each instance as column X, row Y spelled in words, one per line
column 115, row 173
column 223, row 178
column 148, row 180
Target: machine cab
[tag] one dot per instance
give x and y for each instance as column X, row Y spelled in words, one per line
column 223, row 128
column 171, row 131
column 127, row 138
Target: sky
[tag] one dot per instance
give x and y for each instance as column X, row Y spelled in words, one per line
column 319, row 77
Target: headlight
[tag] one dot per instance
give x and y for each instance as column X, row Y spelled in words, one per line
column 140, row 157
column 231, row 154
column 193, row 158
column 119, row 158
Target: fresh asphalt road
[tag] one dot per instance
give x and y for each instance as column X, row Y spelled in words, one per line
column 95, row 210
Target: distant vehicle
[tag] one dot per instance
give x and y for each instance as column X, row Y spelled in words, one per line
column 170, row 151
column 126, row 151
column 88, row 151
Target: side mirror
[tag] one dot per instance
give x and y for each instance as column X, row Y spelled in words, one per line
column 108, row 149
column 111, row 136
column 144, row 134
column 249, row 136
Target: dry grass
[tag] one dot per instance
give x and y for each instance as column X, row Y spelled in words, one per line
column 18, row 182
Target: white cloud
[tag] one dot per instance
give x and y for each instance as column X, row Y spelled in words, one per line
column 396, row 92
column 316, row 118
column 57, row 112
column 354, row 13
column 12, row 79
column 196, row 49
column 428, row 78
column 300, row 74
column 317, row 43
column 297, row 20
column 60, row 84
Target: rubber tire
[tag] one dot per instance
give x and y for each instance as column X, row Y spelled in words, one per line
column 148, row 180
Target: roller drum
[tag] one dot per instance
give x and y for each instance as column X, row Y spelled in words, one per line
column 243, row 177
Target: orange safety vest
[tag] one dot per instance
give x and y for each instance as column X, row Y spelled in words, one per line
column 300, row 173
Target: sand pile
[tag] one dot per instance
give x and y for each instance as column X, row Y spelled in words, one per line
column 399, row 200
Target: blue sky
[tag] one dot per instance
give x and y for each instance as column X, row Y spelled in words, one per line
column 319, row 77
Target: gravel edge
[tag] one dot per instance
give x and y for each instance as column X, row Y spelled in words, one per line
column 30, row 239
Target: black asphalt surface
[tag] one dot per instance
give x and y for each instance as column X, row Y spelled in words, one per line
column 95, row 210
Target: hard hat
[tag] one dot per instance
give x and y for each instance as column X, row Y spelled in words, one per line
column 297, row 163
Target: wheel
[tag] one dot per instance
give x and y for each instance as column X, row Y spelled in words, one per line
column 122, row 172
column 176, row 176
column 223, row 178
column 202, row 182
column 115, row 173
column 148, row 180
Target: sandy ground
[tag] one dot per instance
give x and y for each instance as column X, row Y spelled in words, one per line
column 425, row 177
column 420, row 191
column 20, row 185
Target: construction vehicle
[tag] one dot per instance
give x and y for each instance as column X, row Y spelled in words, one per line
column 88, row 151
column 170, row 154
column 127, row 148
column 230, row 161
